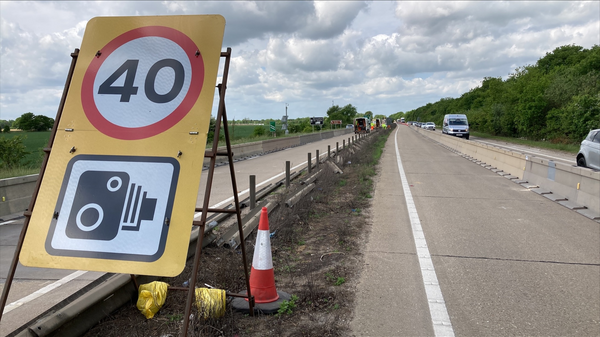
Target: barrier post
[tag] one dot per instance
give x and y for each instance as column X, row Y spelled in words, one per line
column 287, row 174
column 252, row 191
column 309, row 164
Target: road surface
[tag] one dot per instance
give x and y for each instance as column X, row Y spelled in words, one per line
column 505, row 261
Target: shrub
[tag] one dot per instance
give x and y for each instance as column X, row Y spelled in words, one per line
column 258, row 131
column 12, row 151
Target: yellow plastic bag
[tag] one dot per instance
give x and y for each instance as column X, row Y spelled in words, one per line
column 151, row 297
column 211, row 303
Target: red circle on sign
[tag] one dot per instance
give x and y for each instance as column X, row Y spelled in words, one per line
column 126, row 133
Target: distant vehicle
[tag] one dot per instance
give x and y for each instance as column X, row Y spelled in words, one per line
column 456, row 125
column 362, row 125
column 589, row 151
column 428, row 126
column 349, row 126
column 377, row 123
column 402, row 120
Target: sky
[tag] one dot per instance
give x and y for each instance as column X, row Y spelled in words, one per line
column 379, row 56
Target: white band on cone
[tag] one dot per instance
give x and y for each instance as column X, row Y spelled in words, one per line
column 262, row 259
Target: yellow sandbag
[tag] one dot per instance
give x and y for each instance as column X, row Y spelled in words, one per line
column 151, row 297
column 211, row 303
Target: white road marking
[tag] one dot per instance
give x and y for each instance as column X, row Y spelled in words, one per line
column 42, row 291
column 7, row 222
column 437, row 306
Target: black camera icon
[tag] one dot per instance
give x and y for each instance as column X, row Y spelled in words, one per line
column 106, row 203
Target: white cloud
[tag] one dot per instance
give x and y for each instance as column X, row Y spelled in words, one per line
column 379, row 56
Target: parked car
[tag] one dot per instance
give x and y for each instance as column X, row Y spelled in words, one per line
column 349, row 126
column 589, row 151
column 428, row 126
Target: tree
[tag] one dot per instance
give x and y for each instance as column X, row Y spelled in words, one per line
column 259, row 130
column 298, row 125
column 345, row 114
column 564, row 56
column 30, row 122
column 369, row 115
column 5, row 123
column 42, row 123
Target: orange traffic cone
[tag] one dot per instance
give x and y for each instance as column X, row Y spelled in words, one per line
column 267, row 299
column 262, row 276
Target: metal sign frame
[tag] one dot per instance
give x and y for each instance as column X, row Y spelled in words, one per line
column 212, row 154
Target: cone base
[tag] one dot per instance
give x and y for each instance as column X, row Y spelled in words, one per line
column 241, row 304
column 262, row 285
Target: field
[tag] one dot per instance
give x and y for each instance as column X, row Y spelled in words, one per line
column 241, row 131
column 34, row 142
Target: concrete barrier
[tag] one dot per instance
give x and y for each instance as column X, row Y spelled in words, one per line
column 276, row 144
column 577, row 185
column 280, row 144
column 15, row 193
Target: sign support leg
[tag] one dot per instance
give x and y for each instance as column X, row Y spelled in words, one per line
column 221, row 117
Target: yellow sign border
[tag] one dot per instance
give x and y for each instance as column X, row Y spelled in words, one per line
column 76, row 135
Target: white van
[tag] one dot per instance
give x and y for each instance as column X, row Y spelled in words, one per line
column 456, row 125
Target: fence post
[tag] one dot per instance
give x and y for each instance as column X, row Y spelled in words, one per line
column 287, row 174
column 252, row 191
column 317, row 164
column 309, row 164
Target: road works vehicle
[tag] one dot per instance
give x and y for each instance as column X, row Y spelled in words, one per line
column 362, row 125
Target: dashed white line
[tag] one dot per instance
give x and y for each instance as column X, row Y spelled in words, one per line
column 437, row 306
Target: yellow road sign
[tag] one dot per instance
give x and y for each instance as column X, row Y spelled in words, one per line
column 121, row 184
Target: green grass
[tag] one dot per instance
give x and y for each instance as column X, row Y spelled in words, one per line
column 571, row 148
column 18, row 172
column 242, row 134
column 287, row 307
column 241, row 131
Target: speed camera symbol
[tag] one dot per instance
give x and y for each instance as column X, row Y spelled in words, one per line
column 114, row 207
